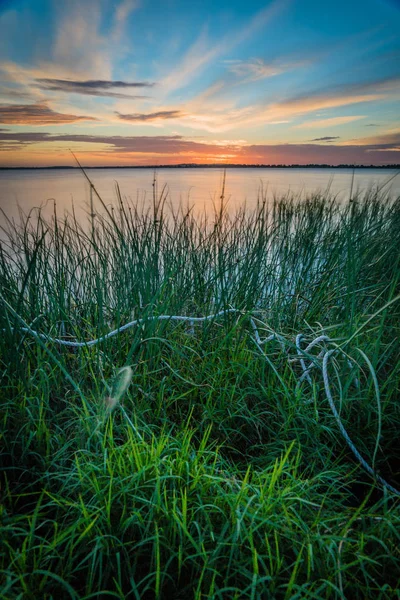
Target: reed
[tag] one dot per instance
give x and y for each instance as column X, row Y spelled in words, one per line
column 177, row 461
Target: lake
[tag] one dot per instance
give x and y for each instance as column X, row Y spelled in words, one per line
column 201, row 187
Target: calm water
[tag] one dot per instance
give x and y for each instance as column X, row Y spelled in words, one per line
column 201, row 187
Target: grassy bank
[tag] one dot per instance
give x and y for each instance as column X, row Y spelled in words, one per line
column 219, row 472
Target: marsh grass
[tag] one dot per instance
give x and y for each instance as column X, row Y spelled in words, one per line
column 215, row 474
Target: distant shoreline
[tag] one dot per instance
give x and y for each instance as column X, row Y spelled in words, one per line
column 208, row 166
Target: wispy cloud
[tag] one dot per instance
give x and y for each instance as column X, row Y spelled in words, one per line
column 122, row 13
column 36, row 114
column 202, row 52
column 327, row 138
column 92, row 87
column 161, row 115
column 385, row 84
column 254, row 69
column 214, row 115
column 79, row 44
column 329, row 122
column 387, row 139
column 9, row 92
column 308, row 103
column 82, row 45
column 335, row 97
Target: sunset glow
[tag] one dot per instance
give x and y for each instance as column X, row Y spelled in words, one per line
column 132, row 82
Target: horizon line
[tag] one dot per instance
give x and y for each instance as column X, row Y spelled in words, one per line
column 213, row 166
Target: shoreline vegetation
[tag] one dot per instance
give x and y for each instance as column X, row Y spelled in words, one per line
column 177, row 461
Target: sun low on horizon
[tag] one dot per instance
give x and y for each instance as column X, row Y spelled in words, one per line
column 133, row 82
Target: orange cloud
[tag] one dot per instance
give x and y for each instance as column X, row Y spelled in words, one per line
column 40, row 148
column 36, row 114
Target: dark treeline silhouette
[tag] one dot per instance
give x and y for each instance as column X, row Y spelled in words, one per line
column 214, row 166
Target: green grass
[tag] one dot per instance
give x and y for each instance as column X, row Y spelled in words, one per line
column 221, row 477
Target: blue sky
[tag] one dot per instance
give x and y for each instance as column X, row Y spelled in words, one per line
column 139, row 82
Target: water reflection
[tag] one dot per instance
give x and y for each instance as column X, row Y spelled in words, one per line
column 201, row 188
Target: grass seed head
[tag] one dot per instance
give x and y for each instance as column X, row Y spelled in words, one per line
column 110, row 403
column 121, row 383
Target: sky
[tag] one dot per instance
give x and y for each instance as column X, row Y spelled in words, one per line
column 140, row 82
